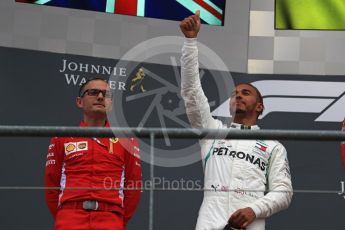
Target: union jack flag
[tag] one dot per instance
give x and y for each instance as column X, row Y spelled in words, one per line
column 212, row 11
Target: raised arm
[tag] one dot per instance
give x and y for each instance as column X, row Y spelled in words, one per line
column 196, row 103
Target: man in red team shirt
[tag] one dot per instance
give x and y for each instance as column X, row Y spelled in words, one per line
column 99, row 178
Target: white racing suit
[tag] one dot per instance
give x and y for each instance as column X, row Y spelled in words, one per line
column 238, row 173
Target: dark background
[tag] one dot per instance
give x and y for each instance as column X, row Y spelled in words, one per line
column 33, row 92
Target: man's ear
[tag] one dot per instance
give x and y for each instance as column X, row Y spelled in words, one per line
column 259, row 108
column 79, row 102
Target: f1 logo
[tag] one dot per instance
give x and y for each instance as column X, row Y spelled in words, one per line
column 325, row 98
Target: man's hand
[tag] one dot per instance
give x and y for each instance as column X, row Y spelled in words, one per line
column 242, row 218
column 190, row 26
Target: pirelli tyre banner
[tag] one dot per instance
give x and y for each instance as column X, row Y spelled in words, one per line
column 39, row 88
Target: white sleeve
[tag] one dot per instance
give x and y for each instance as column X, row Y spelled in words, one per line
column 279, row 185
column 196, row 103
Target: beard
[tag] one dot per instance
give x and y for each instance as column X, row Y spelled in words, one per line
column 240, row 111
column 237, row 111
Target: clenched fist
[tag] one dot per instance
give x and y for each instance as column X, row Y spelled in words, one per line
column 190, row 26
column 242, row 218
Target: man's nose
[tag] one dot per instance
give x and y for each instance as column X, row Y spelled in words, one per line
column 100, row 95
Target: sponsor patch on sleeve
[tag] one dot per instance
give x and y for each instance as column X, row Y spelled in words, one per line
column 82, row 145
column 70, row 147
column 51, row 146
column 50, row 162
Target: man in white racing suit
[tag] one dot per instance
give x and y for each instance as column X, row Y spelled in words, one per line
column 245, row 180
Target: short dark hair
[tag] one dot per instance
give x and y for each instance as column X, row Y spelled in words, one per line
column 82, row 86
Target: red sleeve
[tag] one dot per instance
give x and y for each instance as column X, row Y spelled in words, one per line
column 133, row 179
column 53, row 174
column 343, row 146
